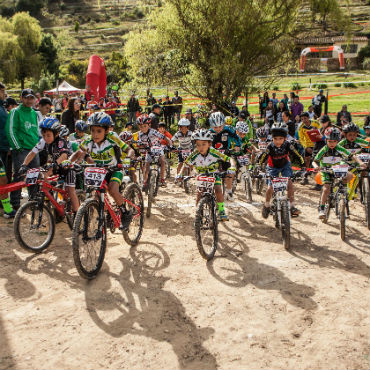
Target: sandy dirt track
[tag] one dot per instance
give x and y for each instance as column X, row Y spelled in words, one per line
column 161, row 306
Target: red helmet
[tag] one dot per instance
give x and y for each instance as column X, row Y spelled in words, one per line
column 126, row 136
column 143, row 118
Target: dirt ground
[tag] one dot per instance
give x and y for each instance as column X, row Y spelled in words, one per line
column 161, row 306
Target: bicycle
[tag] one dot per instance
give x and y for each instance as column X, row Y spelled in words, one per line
column 89, row 235
column 243, row 170
column 34, row 222
column 185, row 172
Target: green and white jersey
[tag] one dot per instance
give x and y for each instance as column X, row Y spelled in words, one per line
column 356, row 146
column 104, row 153
column 207, row 163
column 327, row 157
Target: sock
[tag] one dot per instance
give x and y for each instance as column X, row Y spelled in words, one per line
column 221, row 207
column 322, row 206
column 6, row 205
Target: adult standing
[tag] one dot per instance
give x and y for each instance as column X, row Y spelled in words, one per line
column 296, row 109
column 150, row 100
column 167, row 111
column 154, row 116
column 285, row 100
column 318, row 101
column 343, row 115
column 279, row 112
column 193, row 122
column 71, row 114
column 263, row 103
column 177, row 105
column 4, row 143
column 234, row 110
column 275, row 100
column 23, row 134
column 133, row 107
column 10, row 103
column 116, row 97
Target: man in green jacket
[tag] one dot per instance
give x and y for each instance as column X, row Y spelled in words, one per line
column 23, row 135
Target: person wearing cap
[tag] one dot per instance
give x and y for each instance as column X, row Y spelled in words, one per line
column 318, row 101
column 234, row 110
column 155, row 116
column 133, row 107
column 23, row 134
column 343, row 115
column 168, row 111
column 193, row 122
column 177, row 105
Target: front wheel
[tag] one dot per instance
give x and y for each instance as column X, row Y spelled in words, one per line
column 366, row 200
column 248, row 186
column 89, row 239
column 34, row 226
column 133, row 194
column 206, row 229
column 327, row 207
column 152, row 178
column 342, row 217
column 285, row 224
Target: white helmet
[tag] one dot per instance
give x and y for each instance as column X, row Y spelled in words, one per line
column 183, row 122
column 242, row 127
column 216, row 119
column 202, row 134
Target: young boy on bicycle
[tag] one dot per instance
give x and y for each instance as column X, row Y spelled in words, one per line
column 104, row 148
column 206, row 159
column 331, row 154
column 79, row 135
column 277, row 156
column 58, row 151
column 183, row 136
column 351, row 141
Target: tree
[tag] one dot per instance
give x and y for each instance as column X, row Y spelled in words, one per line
column 74, row 72
column 117, row 68
column 214, row 48
column 32, row 6
column 49, row 50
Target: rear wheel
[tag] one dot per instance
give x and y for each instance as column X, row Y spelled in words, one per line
column 88, row 242
column 285, row 224
column 366, row 200
column 34, row 226
column 151, row 190
column 248, row 186
column 134, row 195
column 342, row 217
column 206, row 230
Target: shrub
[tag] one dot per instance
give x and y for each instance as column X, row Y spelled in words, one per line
column 322, row 86
column 349, row 85
column 314, row 86
column 366, row 64
column 338, row 84
column 275, row 88
column 296, row 86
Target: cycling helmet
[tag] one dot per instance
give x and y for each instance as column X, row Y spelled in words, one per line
column 50, row 123
column 202, row 134
column 332, row 133
column 228, row 120
column 279, row 129
column 63, row 131
column 100, row 119
column 126, row 136
column 183, row 122
column 351, row 127
column 242, row 127
column 143, row 118
column 216, row 119
column 81, row 125
column 262, row 132
column 367, row 126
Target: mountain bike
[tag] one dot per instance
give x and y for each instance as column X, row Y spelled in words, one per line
column 365, row 186
column 34, row 222
column 245, row 175
column 185, row 172
column 89, row 236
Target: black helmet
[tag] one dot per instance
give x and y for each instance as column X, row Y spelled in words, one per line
column 324, row 118
column 332, row 133
column 351, row 127
column 279, row 129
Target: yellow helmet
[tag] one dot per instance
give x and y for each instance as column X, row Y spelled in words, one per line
column 228, row 120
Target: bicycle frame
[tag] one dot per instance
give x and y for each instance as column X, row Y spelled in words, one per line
column 13, row 186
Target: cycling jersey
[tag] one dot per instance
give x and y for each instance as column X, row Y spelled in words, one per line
column 226, row 139
column 206, row 163
column 74, row 137
column 327, row 157
column 185, row 141
column 150, row 138
column 279, row 157
column 108, row 152
column 357, row 146
column 54, row 150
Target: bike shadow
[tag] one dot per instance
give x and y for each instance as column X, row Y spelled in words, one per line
column 236, row 269
column 7, row 359
column 135, row 302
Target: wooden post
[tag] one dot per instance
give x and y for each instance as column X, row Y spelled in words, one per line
column 327, row 102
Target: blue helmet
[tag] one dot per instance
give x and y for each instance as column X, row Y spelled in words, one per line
column 63, row 131
column 81, row 125
column 100, row 119
column 50, row 123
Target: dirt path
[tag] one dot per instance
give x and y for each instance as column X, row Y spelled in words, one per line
column 160, row 305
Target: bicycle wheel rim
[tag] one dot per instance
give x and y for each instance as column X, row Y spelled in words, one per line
column 285, row 225
column 342, row 217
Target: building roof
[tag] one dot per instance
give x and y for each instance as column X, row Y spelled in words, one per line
column 329, row 40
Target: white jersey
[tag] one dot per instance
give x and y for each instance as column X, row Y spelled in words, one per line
column 185, row 141
column 151, row 138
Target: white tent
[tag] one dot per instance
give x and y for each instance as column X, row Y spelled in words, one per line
column 64, row 87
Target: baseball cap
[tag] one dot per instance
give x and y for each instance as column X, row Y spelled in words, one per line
column 27, row 92
column 189, row 111
column 324, row 118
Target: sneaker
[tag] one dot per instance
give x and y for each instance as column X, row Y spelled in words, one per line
column 295, row 212
column 265, row 211
column 126, row 218
column 230, row 196
column 222, row 216
column 321, row 214
column 163, row 183
column 11, row 214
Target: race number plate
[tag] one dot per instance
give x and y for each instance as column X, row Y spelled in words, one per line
column 354, row 151
column 32, row 176
column 340, row 170
column 243, row 160
column 364, row 157
column 205, row 183
column 94, row 176
column 262, row 145
column 280, row 183
column 156, row 151
column 126, row 163
column 185, row 153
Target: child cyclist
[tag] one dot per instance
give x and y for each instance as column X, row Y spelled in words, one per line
column 277, row 154
column 351, row 141
column 57, row 148
column 206, row 159
column 331, row 154
column 184, row 137
column 79, row 135
column 104, row 148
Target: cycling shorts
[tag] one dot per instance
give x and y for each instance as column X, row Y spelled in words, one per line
column 115, row 176
column 285, row 171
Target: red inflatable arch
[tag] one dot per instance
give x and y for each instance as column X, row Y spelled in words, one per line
column 305, row 51
column 96, row 77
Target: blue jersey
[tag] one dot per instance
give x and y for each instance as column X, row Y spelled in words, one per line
column 226, row 140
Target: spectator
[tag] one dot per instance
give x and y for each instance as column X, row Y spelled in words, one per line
column 10, row 103
column 263, row 103
column 116, row 97
column 167, row 112
column 65, row 101
column 71, row 114
column 90, row 105
column 291, row 125
column 213, row 108
column 57, row 103
column 311, row 112
column 193, row 122
column 296, row 108
column 285, row 100
column 279, row 112
column 343, row 115
column 177, row 105
column 291, row 98
column 4, row 143
column 270, row 113
column 133, row 107
column 163, row 131
column 23, row 134
column 275, row 101
column 150, row 100
column 44, row 109
column 154, row 116
column 318, row 101
column 37, row 100
column 111, row 107
column 101, row 103
column 234, row 110
column 245, row 110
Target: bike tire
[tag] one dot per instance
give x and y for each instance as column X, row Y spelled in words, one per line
column 133, row 193
column 248, row 187
column 151, row 190
column 206, row 205
column 327, row 208
column 140, row 177
column 156, row 183
column 168, row 168
column 342, row 217
column 20, row 217
column 85, row 219
column 366, row 200
column 186, row 183
column 259, row 185
column 285, row 224
column 81, row 197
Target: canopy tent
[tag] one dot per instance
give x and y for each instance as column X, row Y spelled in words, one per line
column 64, row 87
